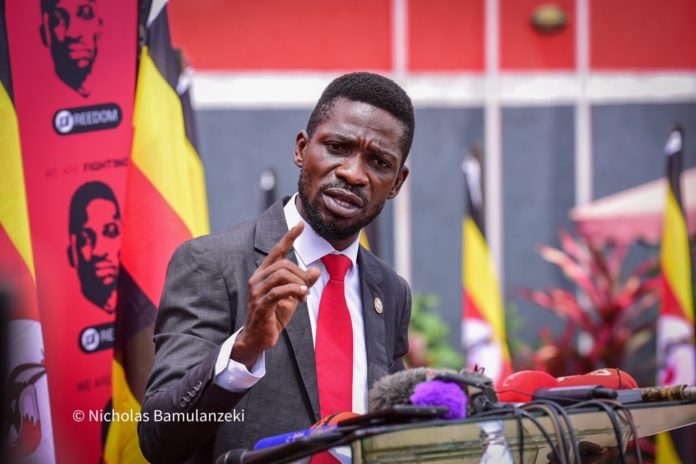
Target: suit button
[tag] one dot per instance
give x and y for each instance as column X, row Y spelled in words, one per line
column 182, row 404
column 197, row 387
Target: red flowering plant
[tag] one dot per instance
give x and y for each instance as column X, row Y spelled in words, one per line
column 605, row 317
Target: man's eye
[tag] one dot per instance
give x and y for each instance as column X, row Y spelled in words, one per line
column 56, row 19
column 86, row 237
column 336, row 147
column 380, row 163
column 85, row 12
column 111, row 230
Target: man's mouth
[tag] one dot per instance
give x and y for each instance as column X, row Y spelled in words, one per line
column 80, row 52
column 342, row 203
column 105, row 270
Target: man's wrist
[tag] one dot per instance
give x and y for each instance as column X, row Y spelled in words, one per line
column 242, row 353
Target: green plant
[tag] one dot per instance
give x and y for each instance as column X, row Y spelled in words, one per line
column 428, row 336
column 604, row 316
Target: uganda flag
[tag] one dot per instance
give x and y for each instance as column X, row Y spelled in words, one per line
column 483, row 324
column 675, row 325
column 165, row 204
column 28, row 431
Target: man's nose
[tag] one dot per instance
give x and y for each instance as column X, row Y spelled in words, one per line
column 104, row 247
column 352, row 170
column 76, row 28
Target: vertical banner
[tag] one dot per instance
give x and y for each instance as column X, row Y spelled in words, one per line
column 73, row 70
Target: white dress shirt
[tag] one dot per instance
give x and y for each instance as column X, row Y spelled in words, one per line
column 309, row 249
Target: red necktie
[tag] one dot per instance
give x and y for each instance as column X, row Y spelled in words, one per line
column 334, row 345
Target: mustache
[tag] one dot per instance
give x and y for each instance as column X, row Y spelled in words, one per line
column 95, row 259
column 344, row 186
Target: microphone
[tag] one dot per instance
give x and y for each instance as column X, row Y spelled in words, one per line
column 525, row 386
column 440, row 393
column 519, row 387
column 327, row 424
column 610, row 378
column 570, row 395
column 397, row 388
column 425, row 387
column 653, row 394
column 567, row 395
column 284, row 438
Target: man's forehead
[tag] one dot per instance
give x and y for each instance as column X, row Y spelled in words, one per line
column 363, row 114
column 72, row 3
column 100, row 208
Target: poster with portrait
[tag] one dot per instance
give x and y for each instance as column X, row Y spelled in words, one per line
column 73, row 66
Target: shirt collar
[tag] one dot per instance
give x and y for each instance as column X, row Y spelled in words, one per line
column 310, row 246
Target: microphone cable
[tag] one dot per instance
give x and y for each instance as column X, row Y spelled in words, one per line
column 526, row 415
column 520, row 433
column 614, row 418
column 628, row 417
column 558, row 417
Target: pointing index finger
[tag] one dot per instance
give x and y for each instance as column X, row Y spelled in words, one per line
column 284, row 245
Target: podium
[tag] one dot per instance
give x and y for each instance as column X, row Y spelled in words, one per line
column 467, row 440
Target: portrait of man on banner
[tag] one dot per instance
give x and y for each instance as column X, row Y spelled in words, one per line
column 71, row 30
column 94, row 242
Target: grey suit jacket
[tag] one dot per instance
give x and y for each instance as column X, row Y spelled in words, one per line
column 203, row 302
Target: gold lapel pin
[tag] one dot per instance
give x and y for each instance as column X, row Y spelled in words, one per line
column 378, row 306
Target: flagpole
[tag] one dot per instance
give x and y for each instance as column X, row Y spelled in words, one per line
column 402, row 203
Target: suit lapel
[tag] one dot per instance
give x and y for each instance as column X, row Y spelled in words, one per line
column 370, row 277
column 270, row 228
column 300, row 335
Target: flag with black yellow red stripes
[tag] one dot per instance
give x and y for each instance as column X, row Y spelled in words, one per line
column 676, row 355
column 29, row 430
column 483, row 322
column 165, row 204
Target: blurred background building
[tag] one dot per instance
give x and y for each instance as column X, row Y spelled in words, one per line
column 569, row 101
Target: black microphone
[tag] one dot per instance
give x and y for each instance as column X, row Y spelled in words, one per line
column 235, row 456
column 571, row 395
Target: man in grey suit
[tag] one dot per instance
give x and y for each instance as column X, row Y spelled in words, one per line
column 243, row 310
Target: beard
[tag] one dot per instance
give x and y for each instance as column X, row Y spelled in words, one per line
column 93, row 287
column 330, row 229
column 70, row 70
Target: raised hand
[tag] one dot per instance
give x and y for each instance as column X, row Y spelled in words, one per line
column 274, row 291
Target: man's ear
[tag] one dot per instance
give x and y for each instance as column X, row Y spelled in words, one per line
column 45, row 29
column 301, row 142
column 43, row 33
column 401, row 177
column 72, row 251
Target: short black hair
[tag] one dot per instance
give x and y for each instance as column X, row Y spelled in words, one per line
column 82, row 197
column 48, row 5
column 368, row 88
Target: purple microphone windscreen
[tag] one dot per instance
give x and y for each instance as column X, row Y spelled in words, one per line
column 399, row 388
column 440, row 393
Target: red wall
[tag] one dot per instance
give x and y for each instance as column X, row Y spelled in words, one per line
column 443, row 35
column 283, row 35
column 446, row 35
column 643, row 34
